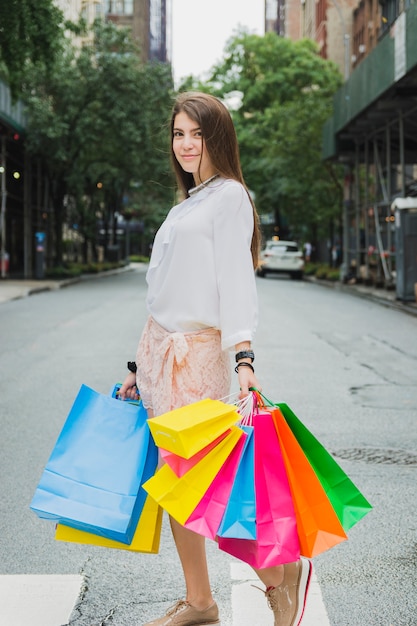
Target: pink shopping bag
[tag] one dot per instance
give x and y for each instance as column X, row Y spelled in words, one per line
column 276, row 528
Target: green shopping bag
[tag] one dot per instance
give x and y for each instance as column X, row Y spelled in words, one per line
column 348, row 502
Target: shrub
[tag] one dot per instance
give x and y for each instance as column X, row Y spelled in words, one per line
column 325, row 272
column 310, row 269
column 137, row 258
column 333, row 274
column 322, row 271
column 61, row 272
column 72, row 270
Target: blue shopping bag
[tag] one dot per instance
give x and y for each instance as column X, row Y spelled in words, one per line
column 93, row 477
column 146, row 536
column 239, row 519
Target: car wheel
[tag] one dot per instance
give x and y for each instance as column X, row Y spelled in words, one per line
column 260, row 272
column 297, row 275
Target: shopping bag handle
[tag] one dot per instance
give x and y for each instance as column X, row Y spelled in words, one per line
column 251, row 405
column 261, row 398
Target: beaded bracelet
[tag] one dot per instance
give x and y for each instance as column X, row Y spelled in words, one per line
column 245, row 365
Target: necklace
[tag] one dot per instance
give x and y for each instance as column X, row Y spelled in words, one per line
column 194, row 190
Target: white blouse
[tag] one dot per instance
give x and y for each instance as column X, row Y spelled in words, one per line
column 201, row 273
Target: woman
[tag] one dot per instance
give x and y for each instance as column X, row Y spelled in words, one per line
column 202, row 304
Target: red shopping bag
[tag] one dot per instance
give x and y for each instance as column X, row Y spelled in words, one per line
column 181, row 466
column 277, row 537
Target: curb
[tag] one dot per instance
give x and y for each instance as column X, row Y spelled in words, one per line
column 21, row 289
column 368, row 294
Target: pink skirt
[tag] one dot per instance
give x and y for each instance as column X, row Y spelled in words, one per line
column 176, row 369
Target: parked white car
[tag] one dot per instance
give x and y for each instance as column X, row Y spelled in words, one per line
column 282, row 257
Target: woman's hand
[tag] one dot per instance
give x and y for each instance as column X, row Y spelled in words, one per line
column 247, row 379
column 129, row 390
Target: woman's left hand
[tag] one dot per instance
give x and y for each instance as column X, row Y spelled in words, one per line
column 129, row 390
column 247, row 379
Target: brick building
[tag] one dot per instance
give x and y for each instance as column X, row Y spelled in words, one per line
column 148, row 20
column 284, row 17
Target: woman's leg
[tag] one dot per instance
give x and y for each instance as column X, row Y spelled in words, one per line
column 191, row 549
column 271, row 576
column 192, row 552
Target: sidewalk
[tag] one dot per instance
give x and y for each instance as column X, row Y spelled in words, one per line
column 14, row 289
column 386, row 297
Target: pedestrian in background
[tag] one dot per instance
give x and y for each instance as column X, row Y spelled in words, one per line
column 202, row 305
column 308, row 248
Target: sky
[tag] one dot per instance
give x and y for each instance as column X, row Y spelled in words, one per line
column 201, row 28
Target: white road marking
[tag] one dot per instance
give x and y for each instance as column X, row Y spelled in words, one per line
column 38, row 600
column 249, row 605
column 49, row 600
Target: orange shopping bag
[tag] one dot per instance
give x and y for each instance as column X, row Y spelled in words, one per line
column 319, row 528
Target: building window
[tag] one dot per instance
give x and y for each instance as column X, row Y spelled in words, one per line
column 157, row 30
column 119, row 7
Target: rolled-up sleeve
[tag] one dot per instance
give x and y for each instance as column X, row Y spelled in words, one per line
column 233, row 229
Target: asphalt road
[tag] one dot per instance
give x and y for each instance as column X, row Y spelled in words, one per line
column 346, row 366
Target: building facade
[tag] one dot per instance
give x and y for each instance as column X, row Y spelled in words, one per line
column 373, row 133
column 329, row 23
column 13, row 185
column 148, row 20
column 284, row 17
column 20, row 207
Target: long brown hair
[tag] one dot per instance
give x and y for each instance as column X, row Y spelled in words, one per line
column 220, row 139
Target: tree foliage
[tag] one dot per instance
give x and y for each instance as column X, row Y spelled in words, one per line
column 30, row 33
column 286, row 92
column 96, row 125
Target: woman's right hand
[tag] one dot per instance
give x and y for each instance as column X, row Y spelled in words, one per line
column 129, row 390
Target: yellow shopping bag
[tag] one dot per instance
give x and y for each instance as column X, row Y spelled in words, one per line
column 146, row 538
column 187, row 430
column 179, row 496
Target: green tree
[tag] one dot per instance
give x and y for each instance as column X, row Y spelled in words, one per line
column 30, row 33
column 95, row 124
column 286, row 92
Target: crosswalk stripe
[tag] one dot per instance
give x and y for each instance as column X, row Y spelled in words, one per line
column 250, row 608
column 48, row 600
column 42, row 600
